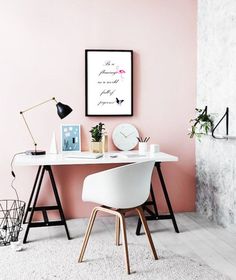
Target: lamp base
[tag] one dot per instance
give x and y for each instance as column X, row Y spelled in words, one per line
column 36, row 153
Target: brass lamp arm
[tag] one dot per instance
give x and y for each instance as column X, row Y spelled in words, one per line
column 63, row 110
column 22, row 114
column 38, row 105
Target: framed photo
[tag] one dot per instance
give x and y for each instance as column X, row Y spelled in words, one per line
column 109, row 82
column 70, row 138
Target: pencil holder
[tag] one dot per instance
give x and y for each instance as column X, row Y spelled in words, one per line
column 142, row 148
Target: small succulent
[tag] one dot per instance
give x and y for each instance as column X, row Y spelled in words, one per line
column 202, row 124
column 97, row 132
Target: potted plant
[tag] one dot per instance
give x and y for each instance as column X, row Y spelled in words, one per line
column 202, row 124
column 96, row 135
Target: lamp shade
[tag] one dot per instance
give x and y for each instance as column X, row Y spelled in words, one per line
column 63, row 110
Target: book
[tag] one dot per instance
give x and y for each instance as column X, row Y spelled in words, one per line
column 85, row 155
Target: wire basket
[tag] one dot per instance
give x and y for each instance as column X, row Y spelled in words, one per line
column 11, row 215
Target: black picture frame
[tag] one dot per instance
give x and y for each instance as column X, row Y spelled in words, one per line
column 108, row 82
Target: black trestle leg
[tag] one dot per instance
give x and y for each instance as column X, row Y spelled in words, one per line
column 172, row 216
column 154, row 215
column 58, row 200
column 43, row 209
column 34, row 205
column 32, row 194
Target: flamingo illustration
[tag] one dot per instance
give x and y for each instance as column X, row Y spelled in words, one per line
column 121, row 72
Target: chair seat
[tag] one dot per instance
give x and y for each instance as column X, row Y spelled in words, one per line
column 122, row 187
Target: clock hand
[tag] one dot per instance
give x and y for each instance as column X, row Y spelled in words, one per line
column 130, row 134
column 123, row 134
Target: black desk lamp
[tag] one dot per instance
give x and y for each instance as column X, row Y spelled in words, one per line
column 63, row 110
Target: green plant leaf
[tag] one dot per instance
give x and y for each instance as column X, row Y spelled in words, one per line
column 202, row 124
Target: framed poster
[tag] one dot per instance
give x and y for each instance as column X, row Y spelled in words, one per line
column 70, row 138
column 109, row 82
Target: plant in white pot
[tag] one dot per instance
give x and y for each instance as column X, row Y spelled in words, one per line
column 97, row 135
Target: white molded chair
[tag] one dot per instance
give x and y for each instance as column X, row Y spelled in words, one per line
column 119, row 190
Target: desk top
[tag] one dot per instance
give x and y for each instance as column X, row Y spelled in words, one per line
column 110, row 157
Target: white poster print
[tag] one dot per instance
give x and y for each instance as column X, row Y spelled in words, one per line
column 108, row 82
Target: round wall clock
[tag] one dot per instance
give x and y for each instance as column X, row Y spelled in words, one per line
column 124, row 136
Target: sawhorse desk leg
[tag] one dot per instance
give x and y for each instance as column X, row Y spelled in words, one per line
column 154, row 215
column 32, row 208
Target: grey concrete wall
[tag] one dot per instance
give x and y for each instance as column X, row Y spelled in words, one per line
column 216, row 88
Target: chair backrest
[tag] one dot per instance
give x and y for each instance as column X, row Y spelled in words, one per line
column 121, row 187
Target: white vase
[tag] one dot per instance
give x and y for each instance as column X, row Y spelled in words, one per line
column 53, row 145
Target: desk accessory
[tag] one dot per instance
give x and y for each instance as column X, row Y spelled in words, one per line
column 144, row 140
column 124, row 136
column 142, row 148
column 63, row 110
column 85, row 155
column 105, row 143
column 154, row 148
column 96, row 145
column 142, row 145
column 53, row 145
column 70, row 138
column 113, row 156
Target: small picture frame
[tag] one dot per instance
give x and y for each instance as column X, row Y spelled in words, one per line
column 108, row 82
column 70, row 137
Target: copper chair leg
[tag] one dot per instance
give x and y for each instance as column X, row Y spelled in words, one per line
column 123, row 229
column 120, row 223
column 147, row 231
column 117, row 231
column 87, row 234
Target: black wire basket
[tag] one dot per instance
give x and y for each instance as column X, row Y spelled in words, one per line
column 11, row 215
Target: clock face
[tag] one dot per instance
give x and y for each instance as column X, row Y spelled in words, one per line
column 124, row 136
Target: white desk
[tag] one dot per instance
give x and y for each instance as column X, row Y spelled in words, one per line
column 45, row 162
column 64, row 159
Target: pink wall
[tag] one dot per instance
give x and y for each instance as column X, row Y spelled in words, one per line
column 42, row 55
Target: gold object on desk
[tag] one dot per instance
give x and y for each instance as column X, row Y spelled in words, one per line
column 105, row 143
column 96, row 147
